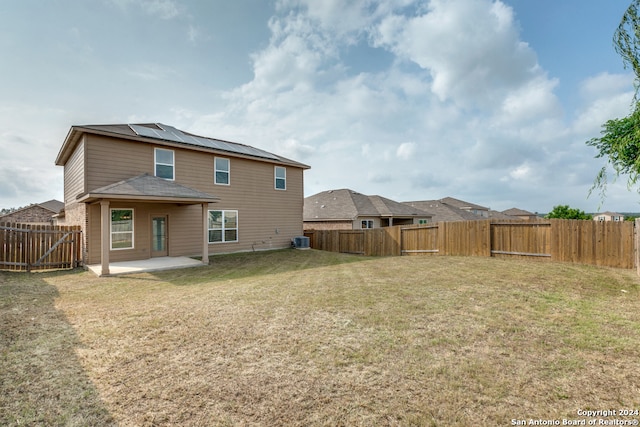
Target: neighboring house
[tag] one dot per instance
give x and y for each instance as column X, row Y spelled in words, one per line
column 467, row 207
column 499, row 215
column 442, row 212
column 450, row 209
column 37, row 213
column 346, row 209
column 516, row 213
column 608, row 216
column 147, row 190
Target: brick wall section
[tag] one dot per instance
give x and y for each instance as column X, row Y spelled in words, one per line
column 76, row 214
column 32, row 214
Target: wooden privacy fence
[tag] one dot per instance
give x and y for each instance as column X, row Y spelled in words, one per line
column 611, row 244
column 27, row 247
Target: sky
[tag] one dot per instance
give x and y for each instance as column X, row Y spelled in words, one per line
column 488, row 101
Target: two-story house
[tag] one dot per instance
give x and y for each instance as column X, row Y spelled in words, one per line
column 150, row 190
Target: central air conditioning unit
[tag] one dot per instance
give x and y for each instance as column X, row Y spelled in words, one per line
column 301, row 242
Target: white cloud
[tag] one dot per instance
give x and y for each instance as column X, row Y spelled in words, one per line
column 406, row 150
column 605, row 96
column 471, row 48
column 603, row 84
column 533, row 100
column 522, row 172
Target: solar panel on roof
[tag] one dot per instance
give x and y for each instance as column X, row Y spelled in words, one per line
column 169, row 133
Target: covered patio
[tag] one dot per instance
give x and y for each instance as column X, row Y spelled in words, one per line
column 145, row 190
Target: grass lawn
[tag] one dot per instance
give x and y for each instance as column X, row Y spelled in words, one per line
column 316, row 338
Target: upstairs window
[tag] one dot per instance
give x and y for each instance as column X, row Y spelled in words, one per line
column 164, row 164
column 280, row 178
column 221, row 171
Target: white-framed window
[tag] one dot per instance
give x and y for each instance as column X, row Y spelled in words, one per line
column 164, row 164
column 280, row 174
column 367, row 223
column 423, row 221
column 223, row 226
column 121, row 229
column 222, row 171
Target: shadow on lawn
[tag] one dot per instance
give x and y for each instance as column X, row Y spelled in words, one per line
column 252, row 264
column 42, row 379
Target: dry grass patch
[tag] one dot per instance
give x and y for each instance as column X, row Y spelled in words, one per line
column 315, row 338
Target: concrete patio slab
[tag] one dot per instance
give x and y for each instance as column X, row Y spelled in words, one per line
column 146, row 265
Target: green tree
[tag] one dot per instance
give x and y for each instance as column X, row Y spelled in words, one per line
column 619, row 142
column 565, row 212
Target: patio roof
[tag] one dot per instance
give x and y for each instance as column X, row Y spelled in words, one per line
column 148, row 188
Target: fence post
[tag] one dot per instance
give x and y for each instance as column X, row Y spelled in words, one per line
column 636, row 245
column 28, row 243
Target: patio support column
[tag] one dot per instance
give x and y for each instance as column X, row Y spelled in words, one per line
column 205, row 233
column 105, row 240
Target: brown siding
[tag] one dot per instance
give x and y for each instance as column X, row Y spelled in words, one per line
column 110, row 160
column 74, row 177
column 267, row 218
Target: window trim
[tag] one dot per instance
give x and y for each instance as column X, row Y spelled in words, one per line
column 276, row 178
column 364, row 224
column 156, row 163
column 215, row 171
column 132, row 232
column 223, row 229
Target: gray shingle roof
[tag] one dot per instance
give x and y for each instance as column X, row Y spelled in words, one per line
column 461, row 204
column 53, row 205
column 147, row 187
column 443, row 211
column 517, row 212
column 345, row 204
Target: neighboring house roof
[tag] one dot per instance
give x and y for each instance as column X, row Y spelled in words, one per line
column 53, row 205
column 159, row 133
column 461, row 204
column 345, row 204
column 443, row 211
column 517, row 212
column 500, row 215
column 147, row 187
